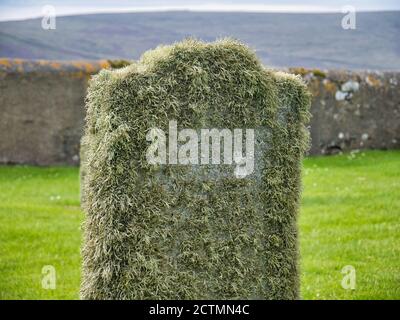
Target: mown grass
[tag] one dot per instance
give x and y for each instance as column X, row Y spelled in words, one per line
column 40, row 222
column 350, row 216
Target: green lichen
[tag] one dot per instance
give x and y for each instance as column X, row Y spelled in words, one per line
column 303, row 72
column 319, row 73
column 179, row 232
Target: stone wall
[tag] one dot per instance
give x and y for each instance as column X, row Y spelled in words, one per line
column 353, row 110
column 42, row 110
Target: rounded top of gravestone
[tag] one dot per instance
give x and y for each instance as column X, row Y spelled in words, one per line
column 222, row 82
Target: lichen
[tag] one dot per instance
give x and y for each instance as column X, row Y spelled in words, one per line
column 5, row 62
column 304, row 72
column 373, row 81
column 173, row 232
column 329, row 86
column 118, row 63
column 319, row 73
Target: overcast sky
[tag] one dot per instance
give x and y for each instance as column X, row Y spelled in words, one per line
column 23, row 9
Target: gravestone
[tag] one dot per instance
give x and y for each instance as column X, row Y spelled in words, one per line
column 169, row 216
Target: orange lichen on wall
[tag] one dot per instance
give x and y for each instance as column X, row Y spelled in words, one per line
column 79, row 69
column 372, row 81
column 18, row 61
column 299, row 71
column 42, row 62
column 303, row 71
column 90, row 67
column 5, row 62
column 80, row 74
column 104, row 64
column 9, row 64
column 55, row 65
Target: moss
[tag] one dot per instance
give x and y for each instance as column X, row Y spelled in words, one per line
column 330, row 86
column 5, row 62
column 117, row 64
column 188, row 232
column 299, row 71
column 79, row 69
column 319, row 73
column 303, row 72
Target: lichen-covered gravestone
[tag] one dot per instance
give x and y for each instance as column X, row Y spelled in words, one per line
column 170, row 217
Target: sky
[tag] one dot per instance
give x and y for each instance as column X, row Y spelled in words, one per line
column 25, row 9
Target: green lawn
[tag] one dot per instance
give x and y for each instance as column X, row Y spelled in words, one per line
column 350, row 216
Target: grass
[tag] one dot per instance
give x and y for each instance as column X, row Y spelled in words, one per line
column 350, row 216
column 40, row 222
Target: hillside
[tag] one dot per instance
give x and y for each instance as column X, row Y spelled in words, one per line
column 309, row 40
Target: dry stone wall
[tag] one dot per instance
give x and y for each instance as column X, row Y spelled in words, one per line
column 42, row 110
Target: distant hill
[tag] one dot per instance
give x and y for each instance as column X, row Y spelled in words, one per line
column 281, row 40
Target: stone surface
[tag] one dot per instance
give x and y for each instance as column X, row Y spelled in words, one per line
column 173, row 229
column 42, row 110
column 354, row 110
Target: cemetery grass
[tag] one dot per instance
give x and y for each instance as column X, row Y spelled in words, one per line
column 350, row 215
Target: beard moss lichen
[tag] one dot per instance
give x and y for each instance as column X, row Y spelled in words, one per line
column 192, row 231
